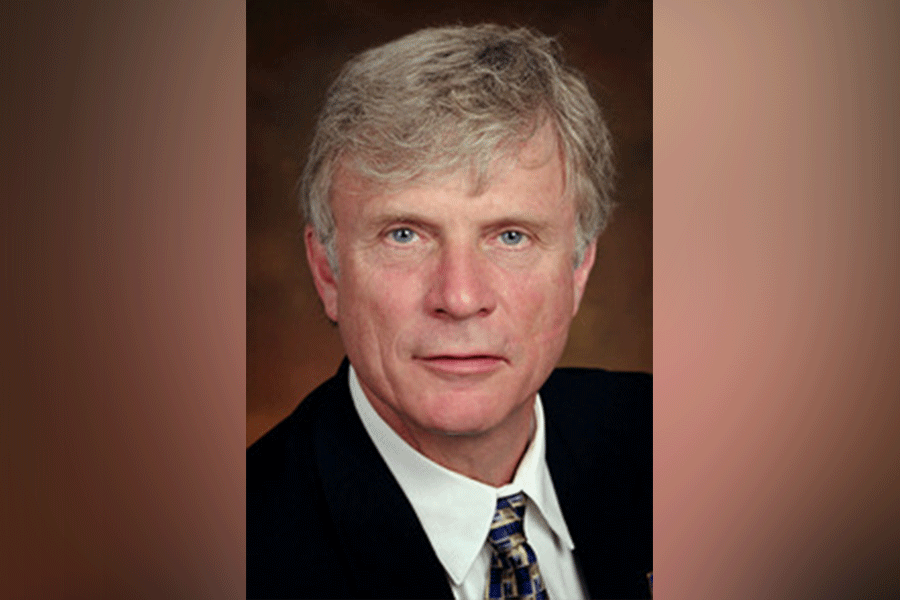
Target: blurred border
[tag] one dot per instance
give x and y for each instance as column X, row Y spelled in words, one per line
column 122, row 427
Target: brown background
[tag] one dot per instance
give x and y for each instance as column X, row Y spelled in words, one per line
column 123, row 286
column 295, row 49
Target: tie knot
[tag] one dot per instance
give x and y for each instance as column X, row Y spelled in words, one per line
column 506, row 527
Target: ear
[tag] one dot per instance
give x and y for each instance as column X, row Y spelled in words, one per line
column 323, row 276
column 581, row 274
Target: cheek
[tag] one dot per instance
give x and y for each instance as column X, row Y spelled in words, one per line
column 377, row 304
column 543, row 306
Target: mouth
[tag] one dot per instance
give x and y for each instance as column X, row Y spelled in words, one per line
column 463, row 364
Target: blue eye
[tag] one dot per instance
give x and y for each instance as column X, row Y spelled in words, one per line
column 402, row 235
column 512, row 237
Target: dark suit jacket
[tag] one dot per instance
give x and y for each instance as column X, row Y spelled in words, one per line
column 326, row 519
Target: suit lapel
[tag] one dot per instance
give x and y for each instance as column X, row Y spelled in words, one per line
column 387, row 551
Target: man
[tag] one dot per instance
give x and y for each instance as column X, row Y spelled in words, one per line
column 454, row 192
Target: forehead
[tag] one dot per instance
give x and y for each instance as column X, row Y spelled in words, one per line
column 533, row 167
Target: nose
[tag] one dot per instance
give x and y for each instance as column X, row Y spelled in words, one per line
column 462, row 287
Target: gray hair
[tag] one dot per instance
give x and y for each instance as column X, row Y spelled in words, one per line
column 446, row 99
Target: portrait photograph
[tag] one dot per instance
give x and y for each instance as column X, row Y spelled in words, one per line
column 449, row 300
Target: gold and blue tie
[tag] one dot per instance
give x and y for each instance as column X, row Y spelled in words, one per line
column 514, row 569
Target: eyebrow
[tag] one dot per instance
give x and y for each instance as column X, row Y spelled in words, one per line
column 386, row 219
column 520, row 221
column 524, row 221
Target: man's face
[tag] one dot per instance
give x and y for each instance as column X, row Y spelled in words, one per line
column 453, row 307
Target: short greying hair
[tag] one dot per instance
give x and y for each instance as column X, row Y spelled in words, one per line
column 446, row 99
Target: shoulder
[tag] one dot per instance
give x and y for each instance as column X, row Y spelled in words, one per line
column 282, row 442
column 283, row 448
column 288, row 449
column 584, row 381
column 600, row 415
column 599, row 425
column 599, row 428
column 288, row 520
column 611, row 399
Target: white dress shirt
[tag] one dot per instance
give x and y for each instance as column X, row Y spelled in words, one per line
column 456, row 511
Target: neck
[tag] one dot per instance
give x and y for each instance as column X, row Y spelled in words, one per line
column 490, row 457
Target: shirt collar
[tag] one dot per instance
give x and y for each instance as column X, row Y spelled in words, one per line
column 454, row 510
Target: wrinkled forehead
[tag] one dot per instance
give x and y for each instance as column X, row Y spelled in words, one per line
column 350, row 181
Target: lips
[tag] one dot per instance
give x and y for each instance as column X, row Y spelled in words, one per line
column 463, row 364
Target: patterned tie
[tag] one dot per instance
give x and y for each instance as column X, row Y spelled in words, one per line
column 514, row 569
